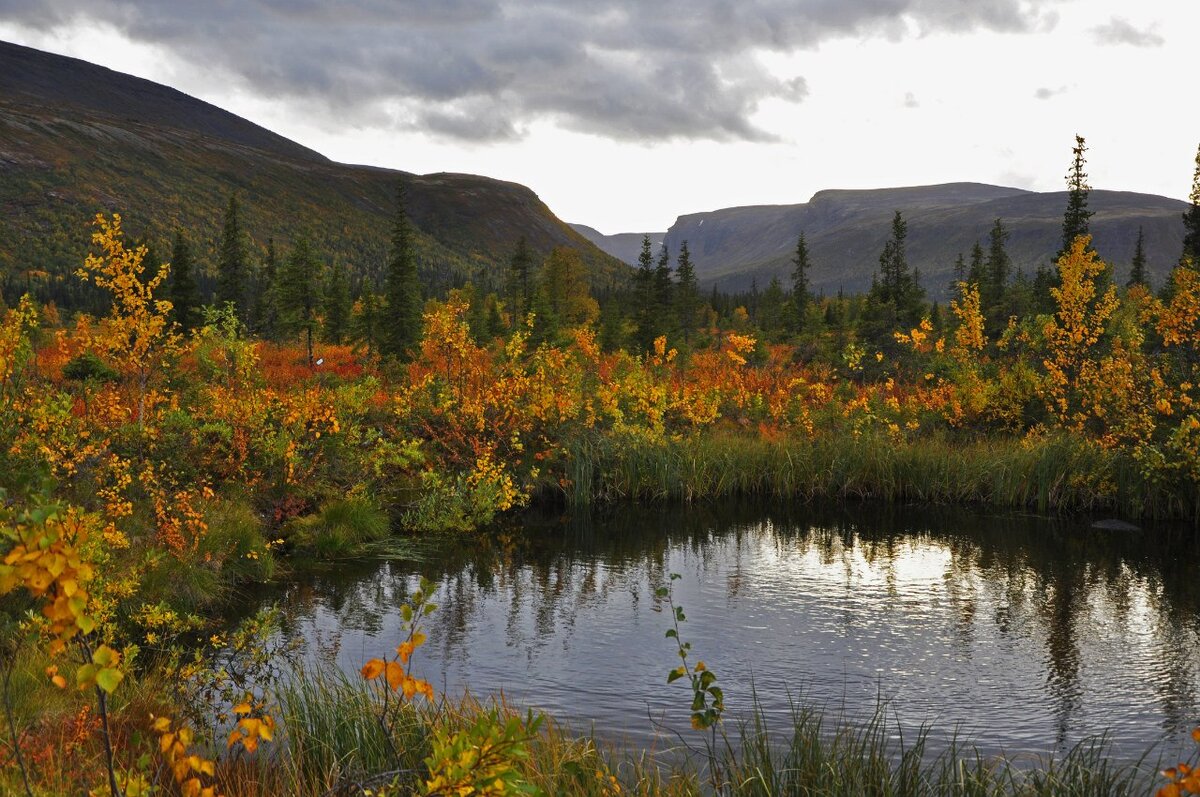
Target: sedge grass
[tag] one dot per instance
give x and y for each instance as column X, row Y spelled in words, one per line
column 333, row 744
column 1052, row 474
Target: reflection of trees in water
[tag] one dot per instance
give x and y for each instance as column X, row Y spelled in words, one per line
column 1040, row 579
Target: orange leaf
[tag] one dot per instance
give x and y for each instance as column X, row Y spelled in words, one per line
column 395, row 675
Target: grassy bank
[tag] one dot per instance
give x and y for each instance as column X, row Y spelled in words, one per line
column 1051, row 474
column 333, row 742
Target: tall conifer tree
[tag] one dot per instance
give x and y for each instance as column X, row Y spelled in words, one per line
column 997, row 268
column 266, row 306
column 520, row 280
column 1076, row 216
column 300, row 293
column 1137, row 271
column 185, row 294
column 977, row 271
column 800, row 293
column 337, row 305
column 402, row 325
column 231, row 260
column 647, row 319
column 1191, row 222
column 687, row 293
column 663, row 290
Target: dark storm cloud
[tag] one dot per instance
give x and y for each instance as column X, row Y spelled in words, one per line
column 1121, row 31
column 483, row 69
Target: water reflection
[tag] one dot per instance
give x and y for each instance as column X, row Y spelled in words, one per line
column 1024, row 634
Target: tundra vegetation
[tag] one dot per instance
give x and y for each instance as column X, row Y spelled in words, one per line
column 156, row 458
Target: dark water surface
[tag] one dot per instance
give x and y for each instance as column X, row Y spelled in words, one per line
column 1025, row 634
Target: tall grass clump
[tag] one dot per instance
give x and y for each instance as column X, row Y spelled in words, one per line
column 1055, row 473
column 341, row 528
column 816, row 756
column 333, row 735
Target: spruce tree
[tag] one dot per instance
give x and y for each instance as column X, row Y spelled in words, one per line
column 337, row 306
column 612, row 324
column 663, row 290
column 800, row 293
column 1075, row 218
column 266, row 305
column 365, row 322
column 977, row 272
column 1137, row 271
column 495, row 321
column 520, row 280
column 901, row 285
column 1191, row 222
column 773, row 309
column 300, row 294
column 185, row 294
column 231, row 260
column 402, row 315
column 687, row 293
column 563, row 282
column 896, row 297
column 996, row 268
column 958, row 273
column 644, row 298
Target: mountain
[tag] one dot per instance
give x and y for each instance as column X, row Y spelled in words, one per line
column 77, row 139
column 625, row 246
column 845, row 231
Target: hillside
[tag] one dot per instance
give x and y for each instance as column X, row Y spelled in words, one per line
column 76, row 139
column 625, row 246
column 846, row 230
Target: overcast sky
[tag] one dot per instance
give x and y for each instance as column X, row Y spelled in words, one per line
column 624, row 114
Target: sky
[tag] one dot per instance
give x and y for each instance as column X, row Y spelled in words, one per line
column 624, row 114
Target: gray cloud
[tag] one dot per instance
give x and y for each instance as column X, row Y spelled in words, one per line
column 1122, row 31
column 484, row 69
column 1045, row 92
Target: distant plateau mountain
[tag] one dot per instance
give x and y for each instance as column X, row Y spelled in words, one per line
column 734, row 248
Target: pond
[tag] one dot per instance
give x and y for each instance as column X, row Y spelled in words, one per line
column 1018, row 634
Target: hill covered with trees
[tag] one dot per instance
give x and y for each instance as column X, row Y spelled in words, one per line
column 77, row 139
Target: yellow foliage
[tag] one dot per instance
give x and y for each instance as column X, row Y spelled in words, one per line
column 136, row 335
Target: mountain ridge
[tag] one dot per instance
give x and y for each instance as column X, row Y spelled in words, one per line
column 166, row 161
column 845, row 229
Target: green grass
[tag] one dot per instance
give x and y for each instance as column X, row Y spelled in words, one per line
column 817, row 756
column 1053, row 474
column 340, row 529
column 330, row 741
column 333, row 743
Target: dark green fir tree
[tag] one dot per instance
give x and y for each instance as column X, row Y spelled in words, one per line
column 1137, row 271
column 185, row 293
column 402, row 315
column 231, row 260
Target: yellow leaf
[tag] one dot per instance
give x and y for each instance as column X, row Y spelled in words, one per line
column 105, row 657
column 372, row 669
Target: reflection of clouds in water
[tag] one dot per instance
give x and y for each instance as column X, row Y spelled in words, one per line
column 1032, row 637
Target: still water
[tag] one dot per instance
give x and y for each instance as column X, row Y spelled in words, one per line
column 1023, row 635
